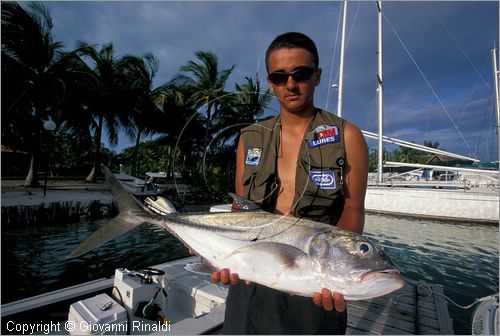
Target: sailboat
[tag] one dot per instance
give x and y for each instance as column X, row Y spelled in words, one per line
column 464, row 199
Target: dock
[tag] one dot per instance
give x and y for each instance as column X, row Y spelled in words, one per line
column 403, row 312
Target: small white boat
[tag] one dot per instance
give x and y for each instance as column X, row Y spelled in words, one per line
column 134, row 185
column 165, row 299
column 485, row 320
column 153, row 184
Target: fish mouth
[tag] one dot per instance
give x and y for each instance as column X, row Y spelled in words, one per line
column 381, row 274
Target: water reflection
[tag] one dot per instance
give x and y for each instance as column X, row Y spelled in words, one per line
column 35, row 261
column 463, row 258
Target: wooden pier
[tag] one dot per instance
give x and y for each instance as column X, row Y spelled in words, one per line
column 403, row 312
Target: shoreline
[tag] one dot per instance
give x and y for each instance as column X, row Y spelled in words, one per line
column 57, row 204
column 13, row 193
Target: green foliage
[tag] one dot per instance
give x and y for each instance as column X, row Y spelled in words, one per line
column 91, row 92
column 151, row 157
column 403, row 154
column 35, row 72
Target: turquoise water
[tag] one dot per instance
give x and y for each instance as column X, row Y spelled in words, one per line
column 463, row 258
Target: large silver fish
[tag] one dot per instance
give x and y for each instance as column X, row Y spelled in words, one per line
column 293, row 255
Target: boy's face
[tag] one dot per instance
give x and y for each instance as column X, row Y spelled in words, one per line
column 297, row 93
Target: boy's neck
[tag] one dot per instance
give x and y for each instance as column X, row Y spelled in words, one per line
column 296, row 119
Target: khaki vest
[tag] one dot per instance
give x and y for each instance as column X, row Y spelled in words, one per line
column 318, row 179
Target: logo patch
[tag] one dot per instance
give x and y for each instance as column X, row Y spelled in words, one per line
column 325, row 179
column 253, row 156
column 324, row 134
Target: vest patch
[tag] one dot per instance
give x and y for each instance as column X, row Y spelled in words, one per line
column 324, row 134
column 253, row 156
column 325, row 179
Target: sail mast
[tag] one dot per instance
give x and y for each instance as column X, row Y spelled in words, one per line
column 497, row 98
column 341, row 73
column 379, row 95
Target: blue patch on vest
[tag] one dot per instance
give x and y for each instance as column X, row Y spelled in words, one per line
column 324, row 134
column 325, row 179
column 253, row 156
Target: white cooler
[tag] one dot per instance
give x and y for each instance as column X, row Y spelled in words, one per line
column 99, row 315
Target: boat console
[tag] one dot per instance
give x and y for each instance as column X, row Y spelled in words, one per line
column 151, row 300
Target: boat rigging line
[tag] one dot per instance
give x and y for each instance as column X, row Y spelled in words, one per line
column 459, row 46
column 412, row 145
column 425, row 291
column 427, row 81
column 418, row 165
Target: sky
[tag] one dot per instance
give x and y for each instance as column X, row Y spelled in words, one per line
column 437, row 64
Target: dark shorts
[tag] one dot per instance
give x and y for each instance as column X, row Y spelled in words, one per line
column 256, row 309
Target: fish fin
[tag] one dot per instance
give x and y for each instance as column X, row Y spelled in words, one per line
column 200, row 268
column 127, row 219
column 287, row 254
column 123, row 199
column 159, row 205
column 114, row 228
column 243, row 203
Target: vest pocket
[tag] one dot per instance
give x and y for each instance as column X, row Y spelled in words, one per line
column 323, row 180
column 321, row 200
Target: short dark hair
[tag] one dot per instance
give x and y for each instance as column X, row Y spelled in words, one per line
column 293, row 40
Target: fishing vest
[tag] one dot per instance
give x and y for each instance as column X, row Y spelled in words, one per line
column 319, row 175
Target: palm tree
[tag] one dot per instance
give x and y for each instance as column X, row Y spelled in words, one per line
column 111, row 101
column 245, row 106
column 431, row 144
column 236, row 111
column 148, row 106
column 252, row 102
column 34, row 70
column 207, row 82
column 179, row 124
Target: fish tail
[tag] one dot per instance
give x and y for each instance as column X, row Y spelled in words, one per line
column 123, row 199
column 131, row 215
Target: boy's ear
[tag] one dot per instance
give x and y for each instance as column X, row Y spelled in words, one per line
column 318, row 76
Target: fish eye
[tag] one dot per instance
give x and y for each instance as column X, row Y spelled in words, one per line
column 363, row 248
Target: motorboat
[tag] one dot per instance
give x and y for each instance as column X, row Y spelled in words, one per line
column 163, row 299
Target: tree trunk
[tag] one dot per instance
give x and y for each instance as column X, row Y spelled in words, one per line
column 32, row 177
column 136, row 152
column 170, row 158
column 93, row 173
column 207, row 126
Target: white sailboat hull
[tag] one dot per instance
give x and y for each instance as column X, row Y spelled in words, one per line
column 455, row 205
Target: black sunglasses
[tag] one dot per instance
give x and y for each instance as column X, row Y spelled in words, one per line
column 299, row 75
